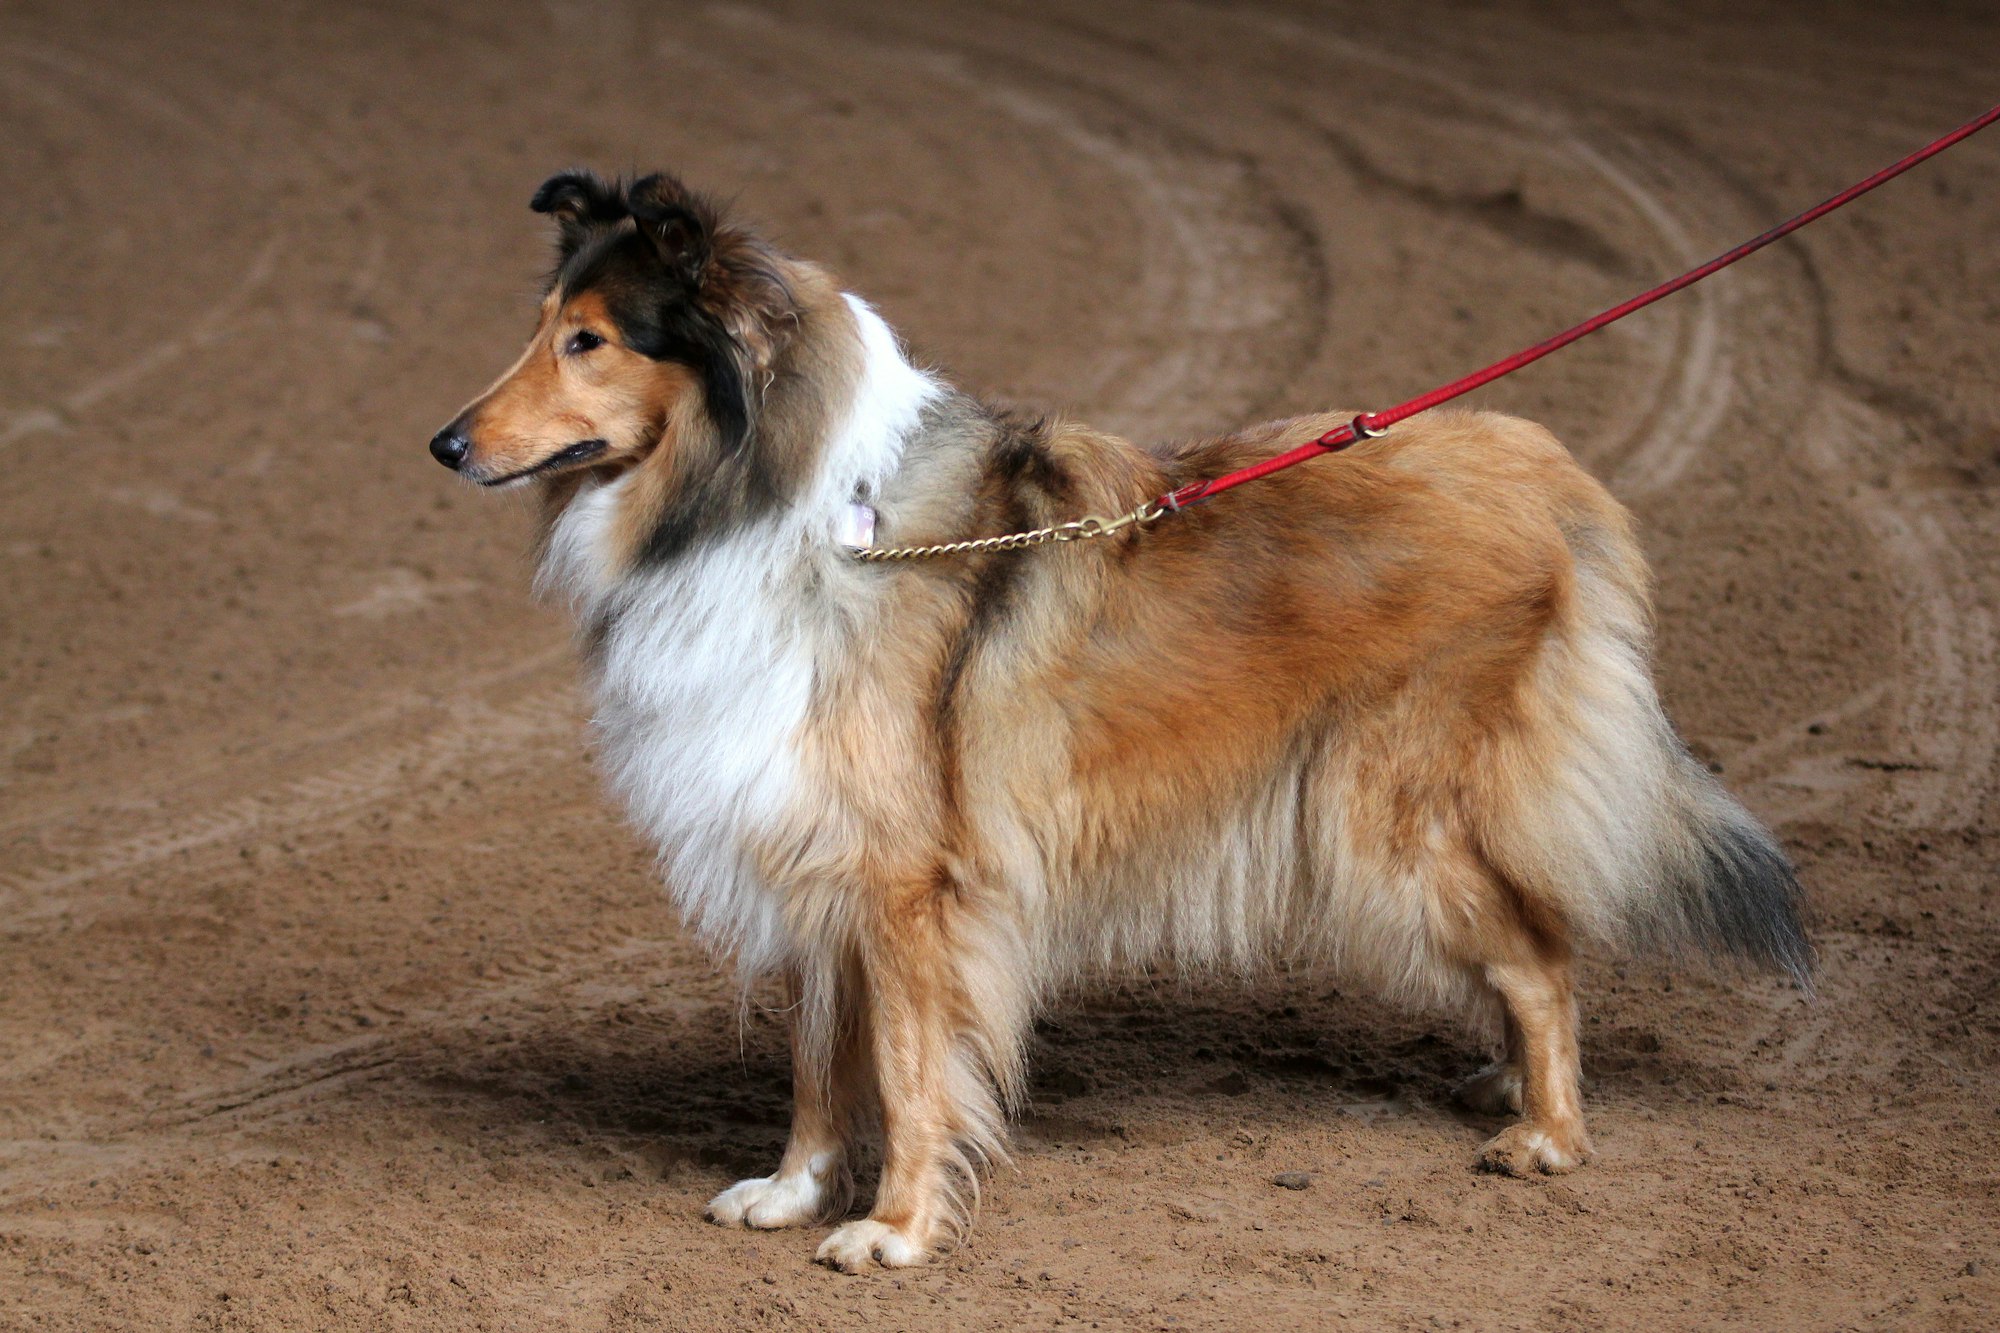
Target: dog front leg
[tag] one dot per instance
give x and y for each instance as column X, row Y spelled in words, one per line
column 813, row 1180
column 909, row 974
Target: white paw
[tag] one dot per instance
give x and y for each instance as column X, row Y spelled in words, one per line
column 769, row 1201
column 851, row 1247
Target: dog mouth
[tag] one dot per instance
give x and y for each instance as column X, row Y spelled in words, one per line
column 568, row 456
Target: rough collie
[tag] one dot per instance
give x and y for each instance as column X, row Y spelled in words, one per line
column 1391, row 715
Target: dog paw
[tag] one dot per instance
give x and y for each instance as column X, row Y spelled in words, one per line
column 854, row 1246
column 1523, row 1150
column 1494, row 1090
column 769, row 1201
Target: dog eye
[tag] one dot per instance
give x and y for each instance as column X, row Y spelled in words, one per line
column 583, row 341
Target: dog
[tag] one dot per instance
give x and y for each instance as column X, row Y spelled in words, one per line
column 1392, row 715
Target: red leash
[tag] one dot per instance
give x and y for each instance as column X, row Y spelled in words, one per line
column 1370, row 424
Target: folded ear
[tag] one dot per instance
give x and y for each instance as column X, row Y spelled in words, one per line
column 679, row 222
column 580, row 203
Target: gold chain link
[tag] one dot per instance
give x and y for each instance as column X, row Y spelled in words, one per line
column 1087, row 528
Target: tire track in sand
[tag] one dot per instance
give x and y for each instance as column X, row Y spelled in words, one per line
column 1204, row 233
column 1944, row 700
column 473, row 732
column 1947, row 692
column 1692, row 379
column 24, row 67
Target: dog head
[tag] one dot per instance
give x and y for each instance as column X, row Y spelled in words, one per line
column 659, row 328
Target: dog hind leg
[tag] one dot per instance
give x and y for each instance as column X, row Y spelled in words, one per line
column 1541, row 1005
column 1507, row 942
column 1496, row 1089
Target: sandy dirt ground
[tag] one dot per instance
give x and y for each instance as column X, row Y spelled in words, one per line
column 332, row 993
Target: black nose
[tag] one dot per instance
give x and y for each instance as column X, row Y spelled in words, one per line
column 449, row 447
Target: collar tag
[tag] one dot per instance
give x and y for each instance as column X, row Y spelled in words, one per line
column 856, row 527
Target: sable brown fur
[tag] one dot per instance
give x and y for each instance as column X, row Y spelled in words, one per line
column 1390, row 715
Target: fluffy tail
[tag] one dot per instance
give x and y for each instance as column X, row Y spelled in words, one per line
column 1626, row 834
column 1728, row 887
column 1631, row 840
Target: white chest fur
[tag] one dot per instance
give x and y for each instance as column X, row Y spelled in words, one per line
column 707, row 671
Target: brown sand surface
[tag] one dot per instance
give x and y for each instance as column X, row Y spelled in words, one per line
column 333, row 994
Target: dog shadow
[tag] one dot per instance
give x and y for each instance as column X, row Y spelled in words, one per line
column 714, row 1097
